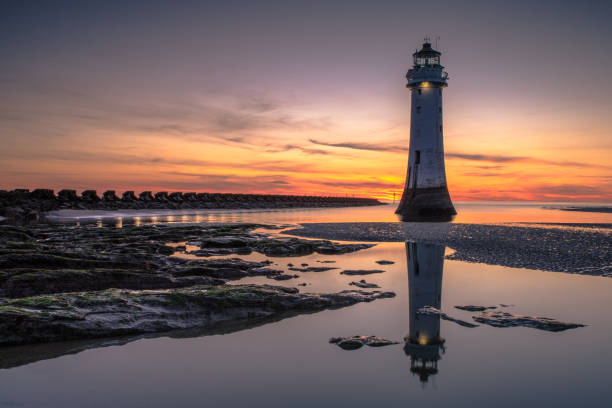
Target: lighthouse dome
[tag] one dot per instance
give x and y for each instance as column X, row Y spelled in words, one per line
column 426, row 56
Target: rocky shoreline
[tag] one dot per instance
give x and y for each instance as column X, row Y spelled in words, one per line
column 60, row 282
column 22, row 204
column 117, row 312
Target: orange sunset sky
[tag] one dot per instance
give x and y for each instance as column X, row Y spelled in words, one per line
column 303, row 98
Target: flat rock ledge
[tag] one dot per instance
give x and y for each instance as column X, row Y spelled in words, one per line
column 505, row 319
column 364, row 285
column 432, row 311
column 474, row 308
column 355, row 342
column 354, row 272
column 115, row 312
column 44, row 259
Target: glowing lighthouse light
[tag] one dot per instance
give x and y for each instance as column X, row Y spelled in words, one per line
column 426, row 195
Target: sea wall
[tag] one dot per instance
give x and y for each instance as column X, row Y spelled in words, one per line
column 25, row 204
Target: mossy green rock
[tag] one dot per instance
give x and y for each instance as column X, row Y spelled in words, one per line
column 117, row 312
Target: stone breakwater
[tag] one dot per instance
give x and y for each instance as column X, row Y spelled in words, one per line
column 25, row 204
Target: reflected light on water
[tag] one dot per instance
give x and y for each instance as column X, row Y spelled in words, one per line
column 474, row 212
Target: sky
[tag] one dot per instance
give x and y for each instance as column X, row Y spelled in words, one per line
column 303, row 97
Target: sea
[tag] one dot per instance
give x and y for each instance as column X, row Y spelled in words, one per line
column 291, row 363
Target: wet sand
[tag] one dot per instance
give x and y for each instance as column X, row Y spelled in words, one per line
column 559, row 248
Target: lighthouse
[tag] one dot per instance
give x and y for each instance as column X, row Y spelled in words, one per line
column 425, row 196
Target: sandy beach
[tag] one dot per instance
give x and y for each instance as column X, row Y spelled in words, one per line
column 573, row 248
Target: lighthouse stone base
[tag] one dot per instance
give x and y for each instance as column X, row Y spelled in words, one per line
column 426, row 204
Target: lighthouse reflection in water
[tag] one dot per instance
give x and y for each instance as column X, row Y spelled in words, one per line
column 423, row 343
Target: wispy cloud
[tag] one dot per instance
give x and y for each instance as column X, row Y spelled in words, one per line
column 376, row 184
column 243, row 121
column 362, row 146
column 572, row 190
column 486, row 157
column 285, row 148
column 493, row 158
column 226, row 183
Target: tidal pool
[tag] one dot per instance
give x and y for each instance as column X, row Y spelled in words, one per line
column 290, row 362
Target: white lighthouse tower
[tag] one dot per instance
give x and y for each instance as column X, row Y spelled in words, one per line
column 426, row 195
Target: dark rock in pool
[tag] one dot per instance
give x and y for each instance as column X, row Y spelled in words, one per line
column 304, row 264
column 117, row 312
column 385, row 262
column 505, row 319
column 283, row 277
column 474, row 308
column 301, row 247
column 365, row 285
column 327, row 261
column 302, row 284
column 312, row 269
column 430, row 310
column 223, row 242
column 352, row 272
column 355, row 342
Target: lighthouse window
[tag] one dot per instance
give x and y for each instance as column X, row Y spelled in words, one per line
column 418, row 109
column 440, row 128
column 419, row 91
column 440, row 110
column 417, row 159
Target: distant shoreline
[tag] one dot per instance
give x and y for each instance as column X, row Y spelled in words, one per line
column 588, row 209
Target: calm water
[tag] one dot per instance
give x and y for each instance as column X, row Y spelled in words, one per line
column 468, row 212
column 291, row 363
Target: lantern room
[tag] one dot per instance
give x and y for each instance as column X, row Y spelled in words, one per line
column 426, row 56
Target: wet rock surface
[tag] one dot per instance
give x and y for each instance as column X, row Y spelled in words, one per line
column 312, row 269
column 430, row 310
column 475, row 308
column 353, row 272
column 58, row 258
column 272, row 247
column 65, row 282
column 502, row 319
column 505, row 319
column 116, row 312
column 364, row 285
column 574, row 248
column 355, row 342
column 284, row 277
